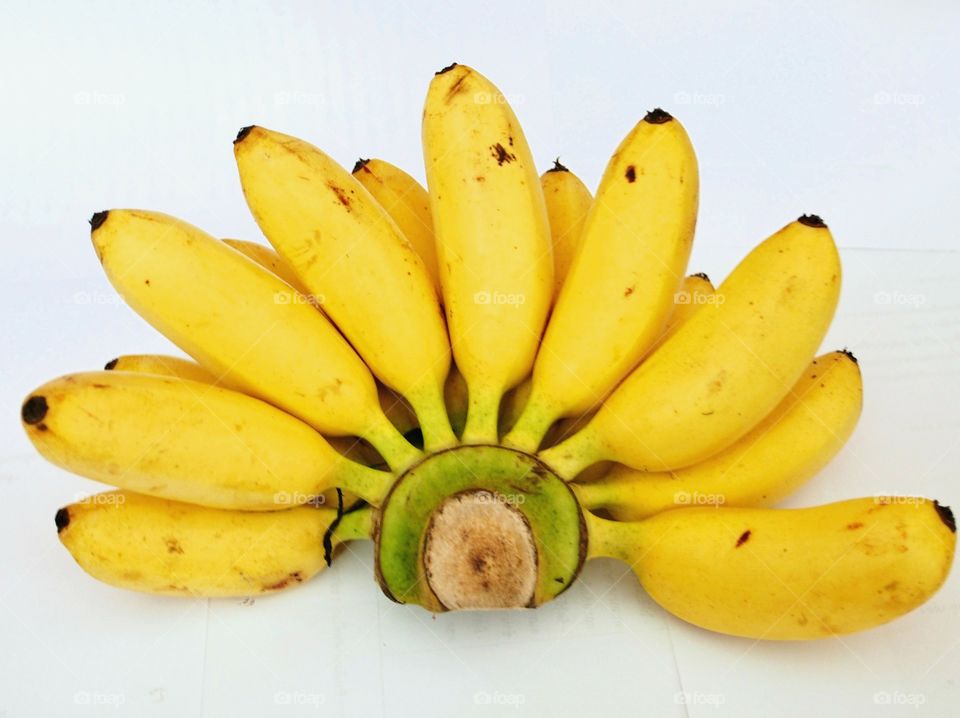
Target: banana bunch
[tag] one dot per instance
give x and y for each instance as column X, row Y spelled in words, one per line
column 495, row 378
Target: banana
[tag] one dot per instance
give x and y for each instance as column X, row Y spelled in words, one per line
column 493, row 241
column 620, row 288
column 782, row 574
column 243, row 324
column 695, row 291
column 187, row 441
column 407, row 203
column 158, row 546
column 162, row 365
column 724, row 369
column 268, row 258
column 568, row 202
column 795, row 441
column 351, row 255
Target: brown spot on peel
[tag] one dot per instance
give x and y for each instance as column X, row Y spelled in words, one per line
column 854, row 526
column 631, row 174
column 744, row 537
column 340, row 193
column 501, row 154
column 34, row 410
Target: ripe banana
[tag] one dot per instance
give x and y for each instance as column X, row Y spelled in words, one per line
column 167, row 547
column 407, row 203
column 695, row 291
column 163, row 365
column 268, row 258
column 726, row 368
column 243, row 324
column 568, row 202
column 370, row 280
column 493, row 242
column 188, row 441
column 798, row 438
column 620, row 287
column 782, row 574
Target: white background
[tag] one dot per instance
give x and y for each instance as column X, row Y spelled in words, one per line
column 850, row 111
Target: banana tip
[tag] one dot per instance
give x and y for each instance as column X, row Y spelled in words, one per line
column 62, row 519
column 849, row 355
column 445, row 69
column 112, row 364
column 946, row 515
column 812, row 220
column 703, row 276
column 658, row 116
column 360, row 164
column 557, row 167
column 244, row 131
column 34, row 410
column 98, row 219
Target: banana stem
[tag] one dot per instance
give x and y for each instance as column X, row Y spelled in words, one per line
column 369, row 484
column 482, row 416
column 570, row 457
column 399, row 453
column 354, row 526
column 592, row 494
column 622, row 540
column 434, row 423
column 527, row 434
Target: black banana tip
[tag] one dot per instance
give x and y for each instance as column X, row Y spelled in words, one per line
column 703, row 276
column 34, row 410
column 812, row 220
column 445, row 69
column 557, row 167
column 62, row 519
column 946, row 515
column 112, row 364
column 849, row 355
column 244, row 131
column 360, row 164
column 657, row 116
column 98, row 219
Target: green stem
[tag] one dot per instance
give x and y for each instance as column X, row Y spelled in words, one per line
column 570, row 457
column 355, row 526
column 527, row 434
column 399, row 453
column 483, row 413
column 369, row 484
column 434, row 423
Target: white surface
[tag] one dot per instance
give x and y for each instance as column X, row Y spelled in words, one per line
column 851, row 112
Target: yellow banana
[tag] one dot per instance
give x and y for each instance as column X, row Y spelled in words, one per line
column 620, row 287
column 268, row 258
column 726, row 368
column 187, row 441
column 695, row 291
column 568, row 202
column 349, row 252
column 162, row 365
column 493, row 241
column 789, row 446
column 787, row 574
column 166, row 547
column 243, row 324
column 407, row 203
